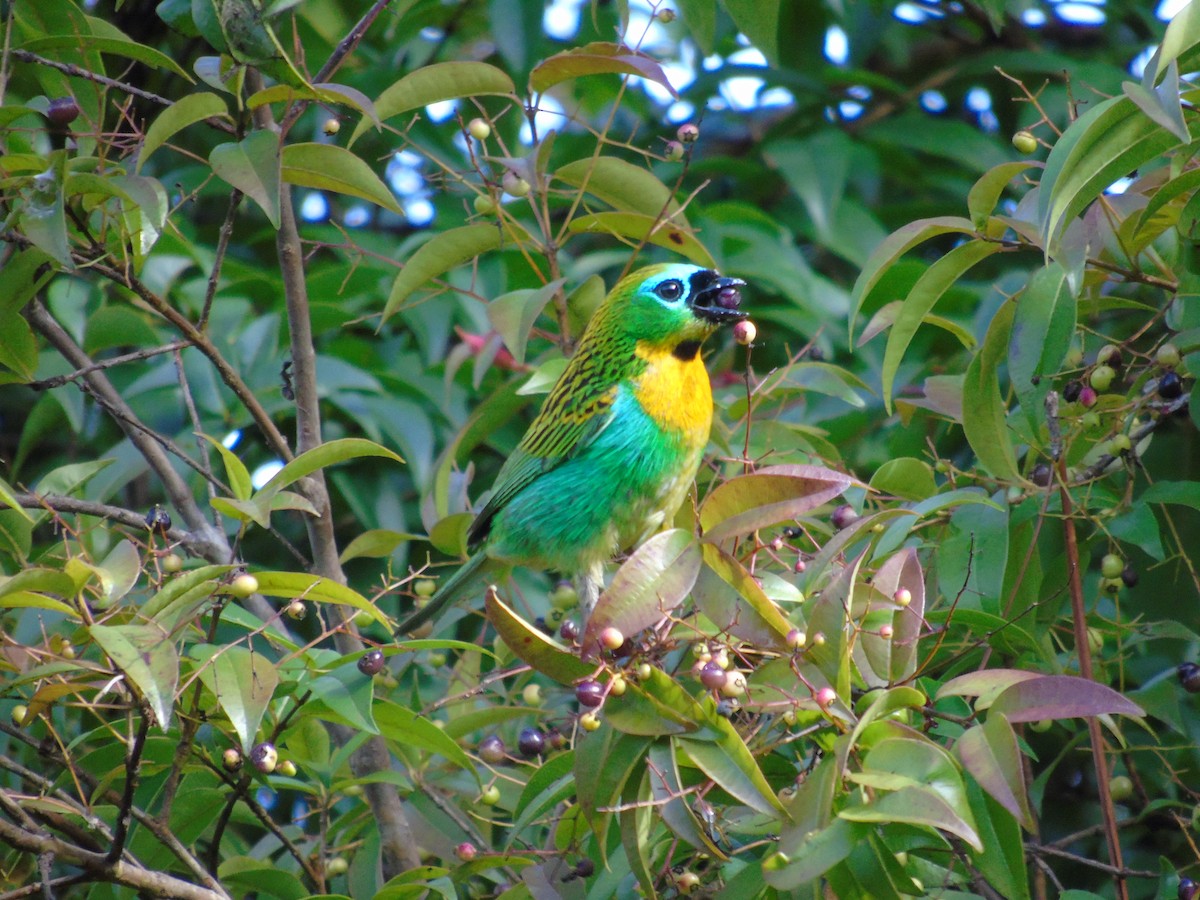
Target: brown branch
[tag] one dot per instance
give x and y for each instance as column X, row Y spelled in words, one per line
column 136, row 356
column 98, row 866
column 1117, row 871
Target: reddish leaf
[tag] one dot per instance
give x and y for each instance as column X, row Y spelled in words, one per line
column 767, row 497
column 597, row 58
column 532, row 646
column 1061, row 697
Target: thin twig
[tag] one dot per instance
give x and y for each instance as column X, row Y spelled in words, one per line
column 136, row 356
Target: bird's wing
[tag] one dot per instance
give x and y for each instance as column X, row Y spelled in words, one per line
column 574, row 414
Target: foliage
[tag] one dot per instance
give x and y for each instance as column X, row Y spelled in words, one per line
column 917, row 633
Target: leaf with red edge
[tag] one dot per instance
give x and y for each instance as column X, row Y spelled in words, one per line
column 1061, row 697
column 598, row 58
column 651, row 583
column 767, row 497
column 533, row 646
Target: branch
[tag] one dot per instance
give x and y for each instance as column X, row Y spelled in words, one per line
column 136, row 356
column 97, row 865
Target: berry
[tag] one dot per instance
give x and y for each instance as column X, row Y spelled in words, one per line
column 425, row 587
column 886, row 631
column 1119, row 444
column 796, row 639
column 735, row 684
column 1110, row 355
column 1071, row 391
column 491, row 749
column 825, row 696
column 532, row 695
column 744, row 332
column 1189, row 677
column 618, row 686
column 569, row 630
column 611, row 638
column 20, row 714
column 687, row 134
column 843, row 516
column 1170, row 386
column 713, row 676
column 589, row 693
column 564, row 596
column 666, row 16
column 687, row 882
column 297, row 610
column 531, row 742
column 337, row 866
column 514, row 184
column 1167, row 356
column 818, row 639
column 644, row 671
column 371, row 662
column 1111, row 565
column 589, row 721
column 585, row 868
column 479, row 129
column 286, row 767
column 1041, row 725
column 1087, row 397
column 437, row 659
column 264, row 757
column 243, row 586
column 1102, row 378
column 231, row 759
column 485, row 206
column 466, row 851
column 331, row 127
column 158, row 520
column 1188, row 889
column 1041, row 475
column 490, row 796
column 1095, row 640
column 1120, row 788
column 674, row 152
column 171, row 563
column 62, row 111
column 1129, row 576
column 1024, row 142
column 726, row 708
column 902, row 597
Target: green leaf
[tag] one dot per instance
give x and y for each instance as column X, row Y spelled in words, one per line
column 328, row 167
column 377, row 542
column 435, row 83
column 597, row 58
column 513, row 315
column 182, row 596
column 533, row 646
column 700, row 16
column 243, row 683
column 729, row 762
column 406, row 728
column 252, row 166
column 986, row 192
column 148, row 659
column 896, row 245
column 1162, row 104
column 767, row 497
column 1180, row 39
column 551, row 784
column 18, row 349
column 298, row 585
column 655, row 579
column 1107, row 142
column 1183, row 493
column 42, row 215
column 326, row 92
column 347, row 696
column 916, row 806
column 929, row 288
column 666, row 790
column 758, row 20
column 906, row 477
column 649, row 228
column 822, row 849
column 115, row 44
column 727, row 594
column 990, row 753
column 640, row 710
column 624, row 186
column 179, row 115
column 443, row 252
column 327, row 454
column 1043, row 326
column 118, row 573
column 985, row 416
column 235, row 470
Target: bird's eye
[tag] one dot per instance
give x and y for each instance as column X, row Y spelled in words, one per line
column 670, row 290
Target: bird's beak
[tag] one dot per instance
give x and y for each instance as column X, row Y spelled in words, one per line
column 719, row 302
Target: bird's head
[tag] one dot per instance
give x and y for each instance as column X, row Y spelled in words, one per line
column 673, row 304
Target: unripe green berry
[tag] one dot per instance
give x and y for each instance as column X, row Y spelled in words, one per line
column 20, row 714
column 485, row 206
column 425, row 587
column 1167, row 356
column 479, row 129
column 172, row 563
column 589, row 721
column 532, row 695
column 286, row 767
column 514, row 184
column 1120, row 788
column 243, row 586
column 1102, row 378
column 674, row 152
column 1025, row 142
column 1119, row 444
column 1112, row 565
column 337, row 866
column 331, row 127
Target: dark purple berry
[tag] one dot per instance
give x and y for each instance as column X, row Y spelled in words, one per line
column 531, row 742
column 1042, row 475
column 725, row 708
column 585, row 868
column 1188, row 889
column 569, row 630
column 589, row 693
column 843, row 516
column 1071, row 391
column 729, row 298
column 1129, row 575
column 491, row 749
column 158, row 520
column 62, row 111
column 1170, row 386
column 712, row 676
column 556, row 739
column 1189, row 677
column 371, row 662
column 543, row 627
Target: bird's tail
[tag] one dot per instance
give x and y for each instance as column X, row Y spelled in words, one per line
column 472, row 577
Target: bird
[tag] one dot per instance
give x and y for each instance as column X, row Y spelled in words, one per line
column 616, row 446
